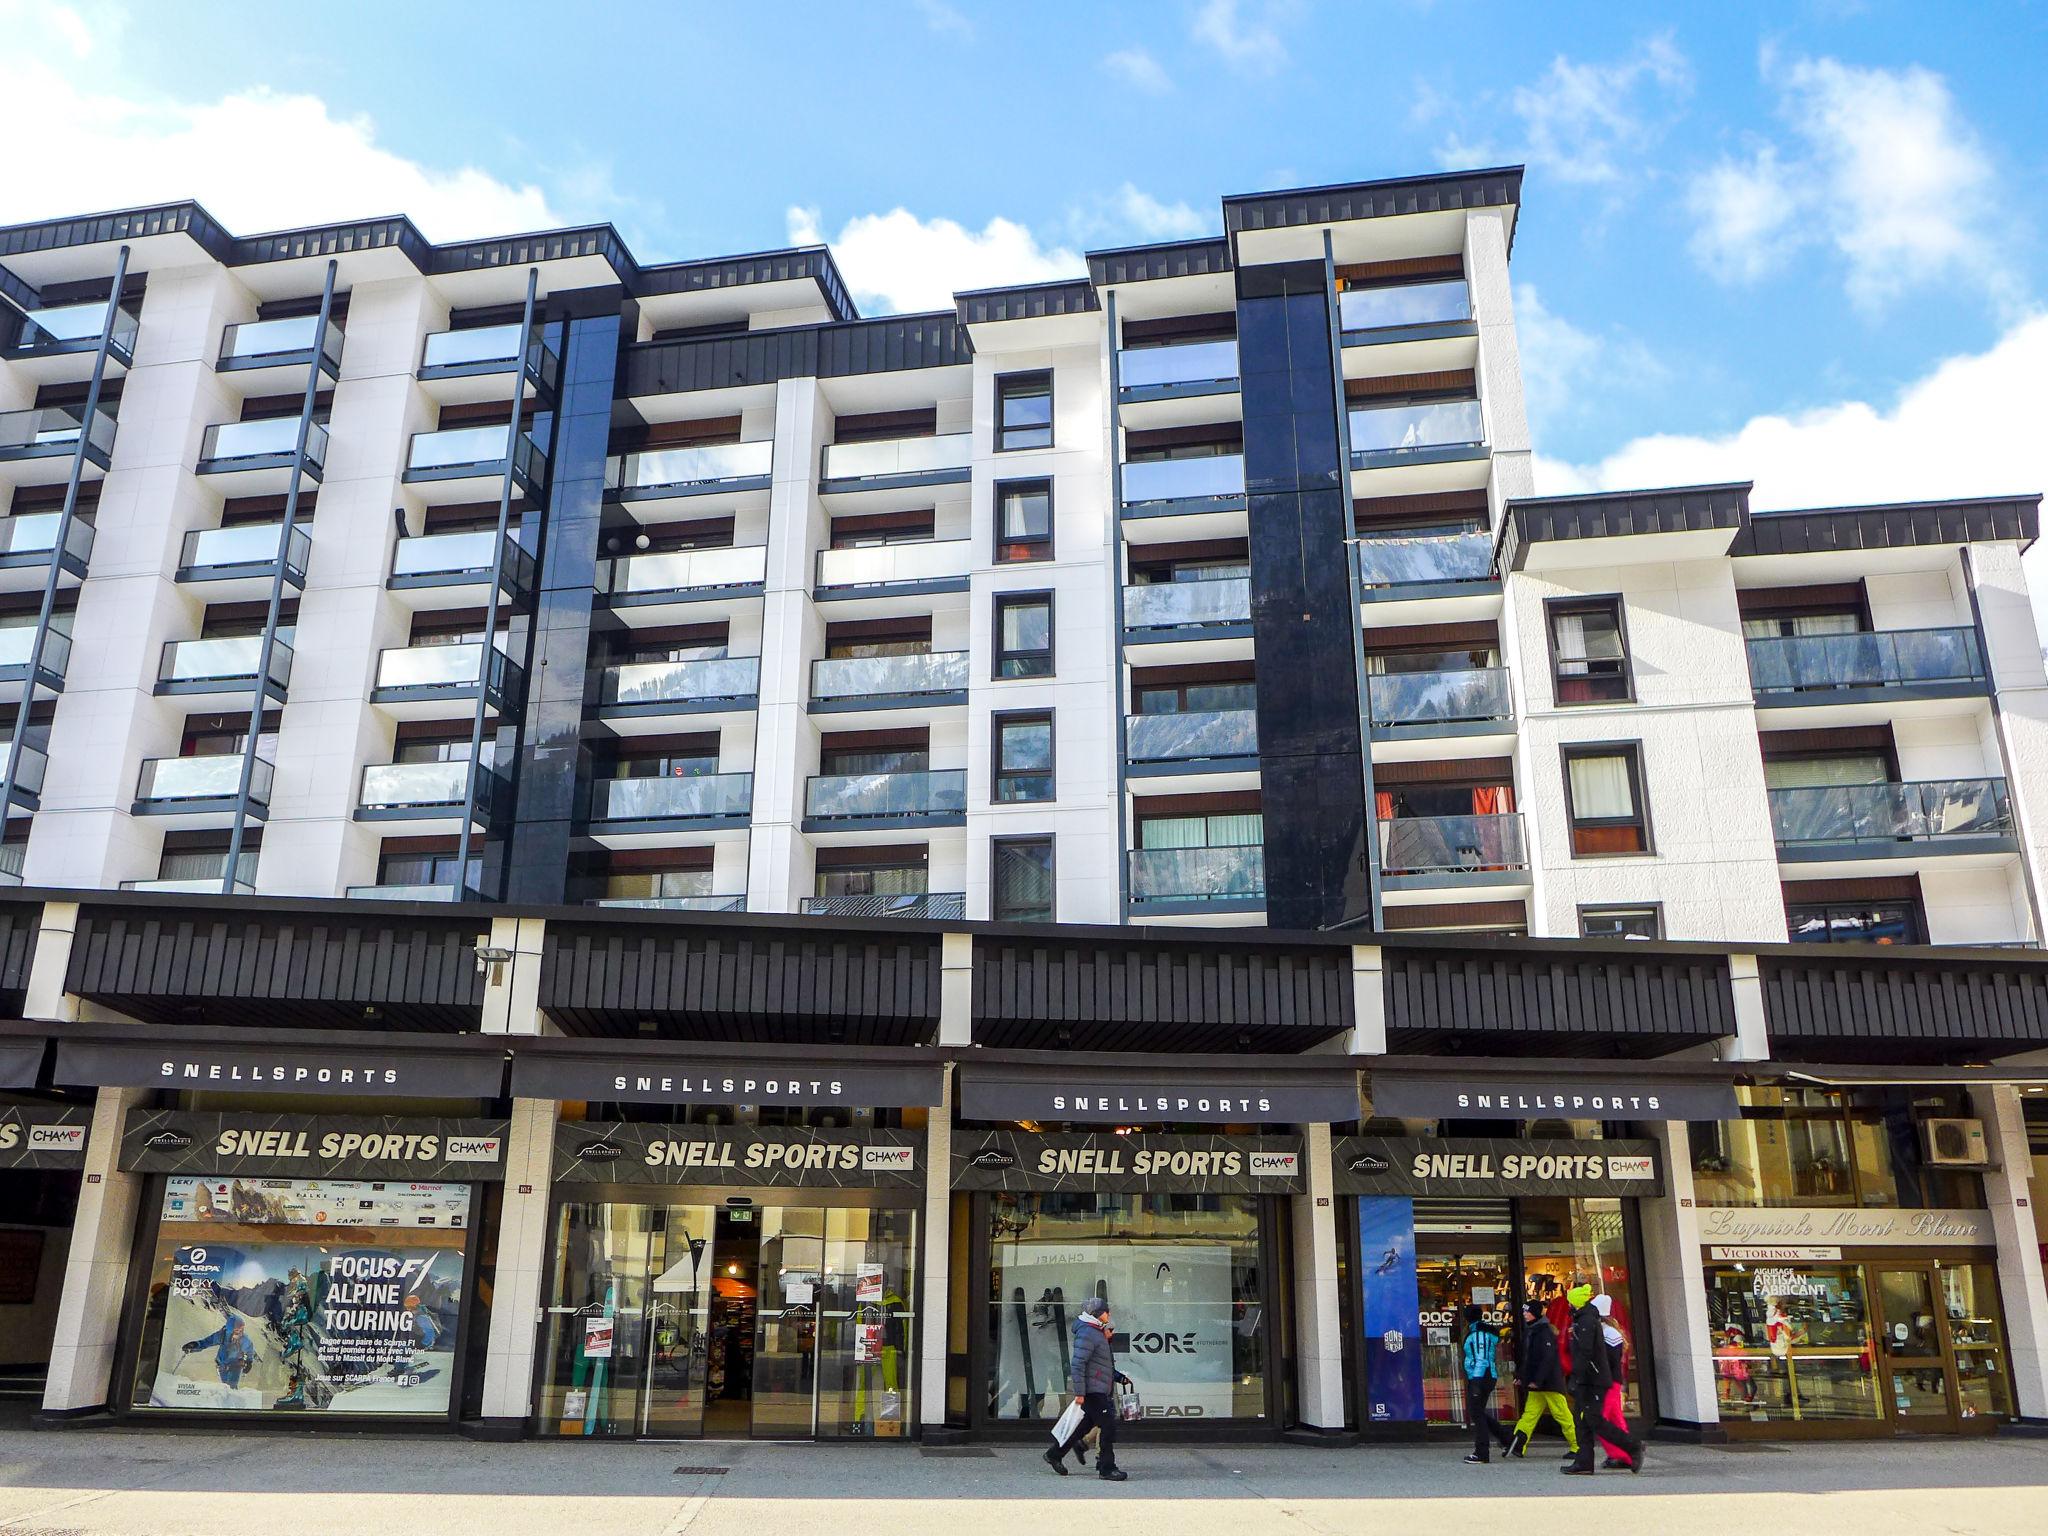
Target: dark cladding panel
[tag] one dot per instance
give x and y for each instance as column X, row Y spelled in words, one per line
column 1906, row 525
column 1925, row 1010
column 17, row 951
column 1147, row 263
column 1556, row 1002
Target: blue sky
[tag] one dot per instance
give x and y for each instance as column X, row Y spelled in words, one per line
column 1799, row 241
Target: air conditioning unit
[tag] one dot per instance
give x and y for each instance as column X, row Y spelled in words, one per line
column 1955, row 1143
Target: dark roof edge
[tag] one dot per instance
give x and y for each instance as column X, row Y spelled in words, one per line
column 1387, row 182
column 1662, row 490
column 2026, row 499
column 1026, row 301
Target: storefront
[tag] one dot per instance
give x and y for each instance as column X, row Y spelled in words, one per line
column 1851, row 1277
column 42, row 1148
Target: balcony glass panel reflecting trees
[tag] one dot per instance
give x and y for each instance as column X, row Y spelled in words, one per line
column 1415, row 559
column 1198, row 874
column 1192, row 735
column 669, row 798
column 1421, row 424
column 1921, row 811
column 1871, row 659
column 865, row 796
column 1188, row 604
column 1436, row 845
column 876, row 677
column 1438, row 698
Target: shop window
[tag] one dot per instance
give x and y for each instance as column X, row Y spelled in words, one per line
column 1023, row 521
column 1588, row 652
column 1792, row 1344
column 1021, row 879
column 1023, row 411
column 1645, row 922
column 1023, row 758
column 1604, row 800
column 1796, row 1147
column 1024, row 634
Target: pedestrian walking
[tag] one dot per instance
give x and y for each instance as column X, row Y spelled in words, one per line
column 1541, row 1376
column 1482, row 1355
column 1617, row 1360
column 1094, row 1378
column 1590, row 1378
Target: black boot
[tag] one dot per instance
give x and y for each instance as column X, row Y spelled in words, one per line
column 1055, row 1460
column 1518, row 1447
column 1113, row 1475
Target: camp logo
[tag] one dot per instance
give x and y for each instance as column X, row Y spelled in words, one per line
column 599, row 1151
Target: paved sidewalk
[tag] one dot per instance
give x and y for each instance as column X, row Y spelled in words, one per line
column 138, row 1482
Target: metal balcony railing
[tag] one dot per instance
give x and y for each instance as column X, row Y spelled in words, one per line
column 1452, row 845
column 942, row 905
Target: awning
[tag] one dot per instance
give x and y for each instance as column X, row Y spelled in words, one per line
column 21, row 1059
column 1895, row 1076
column 1593, row 1090
column 1077, row 1089
column 551, row 1067
column 347, row 1062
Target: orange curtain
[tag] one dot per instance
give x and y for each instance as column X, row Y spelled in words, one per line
column 1383, row 804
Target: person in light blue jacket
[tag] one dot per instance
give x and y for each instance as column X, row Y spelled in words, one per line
column 1482, row 1359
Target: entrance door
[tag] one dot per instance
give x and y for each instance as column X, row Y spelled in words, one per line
column 1914, row 1373
column 1452, row 1271
column 792, row 1287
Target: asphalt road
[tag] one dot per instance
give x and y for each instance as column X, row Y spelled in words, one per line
column 140, row 1482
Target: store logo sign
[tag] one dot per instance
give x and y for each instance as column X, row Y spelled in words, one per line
column 474, row 1149
column 168, row 1141
column 1631, row 1168
column 888, row 1159
column 993, row 1157
column 56, row 1138
column 599, row 1152
column 1275, row 1165
column 1369, row 1162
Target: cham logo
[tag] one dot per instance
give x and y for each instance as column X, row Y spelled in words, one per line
column 598, row 1152
column 168, row 1141
column 1369, row 1162
column 993, row 1157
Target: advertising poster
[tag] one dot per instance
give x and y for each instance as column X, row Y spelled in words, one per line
column 1175, row 1326
column 308, row 1295
column 1392, row 1311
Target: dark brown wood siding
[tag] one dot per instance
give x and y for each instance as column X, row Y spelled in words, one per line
column 1851, row 1010
column 1564, row 1004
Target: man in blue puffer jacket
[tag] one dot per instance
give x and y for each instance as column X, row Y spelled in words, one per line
column 1094, row 1378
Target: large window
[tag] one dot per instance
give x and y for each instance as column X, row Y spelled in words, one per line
column 1024, row 521
column 1792, row 1344
column 1588, row 652
column 1821, row 1147
column 1853, row 922
column 1604, row 799
column 1644, row 922
column 1024, row 634
column 1022, row 758
column 1023, row 411
column 1020, row 879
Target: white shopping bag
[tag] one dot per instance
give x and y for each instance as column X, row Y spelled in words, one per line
column 1129, row 1405
column 1069, row 1422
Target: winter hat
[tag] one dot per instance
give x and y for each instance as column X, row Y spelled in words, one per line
column 1094, row 1306
column 1604, row 1304
column 1578, row 1296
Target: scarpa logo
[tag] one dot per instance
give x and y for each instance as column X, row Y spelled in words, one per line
column 168, row 1141
column 994, row 1157
column 598, row 1152
column 1369, row 1162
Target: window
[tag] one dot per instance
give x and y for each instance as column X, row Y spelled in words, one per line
column 1024, row 634
column 1621, row 922
column 1022, row 758
column 1023, row 411
column 898, row 877
column 1024, row 521
column 1848, row 922
column 1588, row 652
column 1603, row 791
column 1020, row 879
column 1241, row 829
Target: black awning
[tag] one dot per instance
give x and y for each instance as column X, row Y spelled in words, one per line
column 274, row 1061
column 1076, row 1089
column 1510, row 1090
column 666, row 1073
column 21, row 1059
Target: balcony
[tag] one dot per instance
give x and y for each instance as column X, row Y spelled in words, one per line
column 1195, row 744
column 433, row 571
column 240, row 564
column 1187, row 384
column 1436, row 858
column 223, row 671
column 1195, row 498
column 1182, row 882
column 927, row 679
column 1876, row 675
column 445, row 891
column 57, row 345
column 1449, row 576
column 17, row 646
column 673, row 903
column 1418, row 447
column 256, row 458
column 31, row 764
column 1189, row 621
column 1925, row 824
column 441, row 682
column 856, row 802
column 37, row 447
column 470, row 366
column 925, row 569
column 13, row 857
column 936, row 906
column 640, row 697
column 639, row 586
column 28, row 544
column 1422, row 714
column 714, row 478
column 880, row 476
column 430, row 798
column 201, row 792
column 638, row 813
column 1408, row 328
column 469, row 464
column 271, row 357
column 206, row 884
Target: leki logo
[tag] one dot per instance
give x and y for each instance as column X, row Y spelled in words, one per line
column 598, row 1152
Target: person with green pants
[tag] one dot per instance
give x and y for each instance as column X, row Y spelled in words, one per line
column 1541, row 1378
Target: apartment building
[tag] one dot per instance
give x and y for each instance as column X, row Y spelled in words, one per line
column 735, row 827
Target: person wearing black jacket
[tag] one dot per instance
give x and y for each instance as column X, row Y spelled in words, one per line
column 1591, row 1376
column 1541, row 1378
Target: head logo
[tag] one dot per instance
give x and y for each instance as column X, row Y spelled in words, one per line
column 993, row 1157
column 168, row 1141
column 599, row 1152
column 1369, row 1162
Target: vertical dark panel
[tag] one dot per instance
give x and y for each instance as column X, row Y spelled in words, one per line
column 550, row 751
column 1311, row 763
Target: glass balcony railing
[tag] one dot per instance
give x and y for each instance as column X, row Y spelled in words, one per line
column 1404, row 304
column 477, row 552
column 1424, row 424
column 52, row 431
column 870, row 796
column 1452, row 845
column 447, row 892
column 1191, row 736
column 898, row 456
column 261, row 342
column 30, row 766
column 70, row 329
column 1196, row 875
column 881, row 677
column 1926, row 810
column 227, row 442
column 884, row 565
column 194, row 885
column 1439, row 698
column 1159, row 480
column 215, row 777
column 702, row 681
column 944, row 906
column 487, row 349
column 1882, row 658
column 229, row 661
column 1191, row 362
column 661, row 468
column 1188, row 604
column 17, row 641
column 725, row 796
column 35, row 533
column 674, row 903
column 423, row 667
column 687, row 570
column 424, row 786
column 482, row 450
column 13, row 859
column 249, row 545
column 1425, row 559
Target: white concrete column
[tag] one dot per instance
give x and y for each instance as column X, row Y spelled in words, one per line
column 1368, row 1001
column 956, row 989
column 1677, row 1287
column 1752, row 1040
column 1499, row 370
column 522, row 1260
column 1318, row 1306
column 936, row 1303
column 96, row 1273
column 2008, row 1194
column 512, row 988
column 46, row 998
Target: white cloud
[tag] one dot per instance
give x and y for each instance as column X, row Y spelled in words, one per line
column 1154, row 220
column 1566, row 370
column 1583, row 122
column 943, row 18
column 1139, row 70
column 1882, row 168
column 1250, row 46
column 897, row 261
